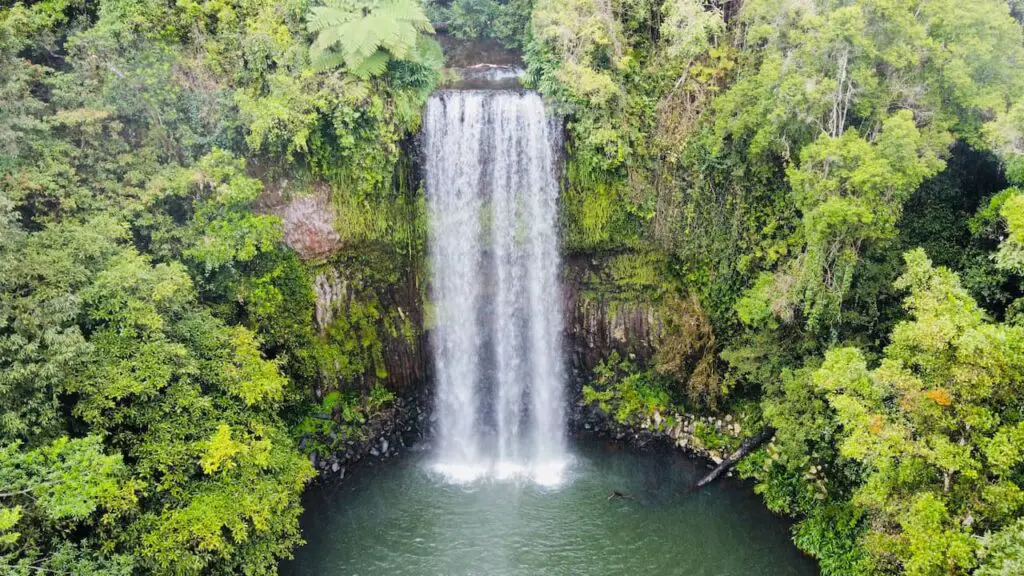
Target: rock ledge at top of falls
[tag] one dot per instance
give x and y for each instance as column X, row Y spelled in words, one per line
column 485, row 77
column 482, row 64
column 461, row 53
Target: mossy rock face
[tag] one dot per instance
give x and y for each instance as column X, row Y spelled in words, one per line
column 611, row 304
column 369, row 315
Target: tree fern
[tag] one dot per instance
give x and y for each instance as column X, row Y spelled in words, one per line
column 365, row 35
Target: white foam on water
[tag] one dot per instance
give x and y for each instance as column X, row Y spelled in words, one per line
column 551, row 474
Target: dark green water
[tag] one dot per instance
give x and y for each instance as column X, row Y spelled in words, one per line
column 396, row 518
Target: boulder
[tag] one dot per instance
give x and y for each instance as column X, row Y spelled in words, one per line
column 309, row 225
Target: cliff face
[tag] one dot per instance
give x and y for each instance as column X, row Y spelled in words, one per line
column 365, row 256
column 396, row 324
column 602, row 315
column 371, row 301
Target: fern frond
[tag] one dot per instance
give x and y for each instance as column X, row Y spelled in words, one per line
column 365, row 34
column 354, row 91
column 326, row 60
column 407, row 10
column 423, row 26
column 326, row 39
column 375, row 65
column 361, row 41
column 323, row 17
column 388, row 33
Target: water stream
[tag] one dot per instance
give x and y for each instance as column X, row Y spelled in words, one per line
column 492, row 204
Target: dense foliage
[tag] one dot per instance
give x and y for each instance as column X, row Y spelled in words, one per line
column 778, row 157
column 157, row 349
column 823, row 199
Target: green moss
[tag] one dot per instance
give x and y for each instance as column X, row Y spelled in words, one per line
column 352, row 346
column 630, row 395
column 639, row 272
column 595, row 213
column 396, row 221
column 341, row 416
column 712, row 439
column 628, row 277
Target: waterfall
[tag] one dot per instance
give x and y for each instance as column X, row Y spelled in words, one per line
column 492, row 202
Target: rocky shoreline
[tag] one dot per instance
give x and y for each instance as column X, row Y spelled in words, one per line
column 704, row 437
column 407, row 422
column 386, row 435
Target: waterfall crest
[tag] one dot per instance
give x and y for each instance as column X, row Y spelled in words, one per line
column 492, row 200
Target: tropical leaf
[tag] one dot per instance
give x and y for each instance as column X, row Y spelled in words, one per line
column 428, row 53
column 327, row 60
column 364, row 35
column 353, row 90
column 375, row 65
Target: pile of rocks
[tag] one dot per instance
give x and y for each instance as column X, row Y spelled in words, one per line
column 384, row 436
column 672, row 428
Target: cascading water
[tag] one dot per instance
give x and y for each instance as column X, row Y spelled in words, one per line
column 492, row 200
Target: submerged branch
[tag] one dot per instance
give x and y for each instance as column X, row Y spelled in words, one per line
column 745, row 448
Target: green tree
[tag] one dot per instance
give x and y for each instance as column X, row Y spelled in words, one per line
column 936, row 425
column 48, row 493
column 824, row 89
column 365, row 35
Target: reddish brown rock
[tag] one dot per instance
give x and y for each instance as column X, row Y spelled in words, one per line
column 309, row 225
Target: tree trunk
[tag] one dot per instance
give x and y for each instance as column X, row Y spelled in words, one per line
column 745, row 448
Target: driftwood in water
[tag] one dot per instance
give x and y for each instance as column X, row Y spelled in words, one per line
column 616, row 494
column 745, row 448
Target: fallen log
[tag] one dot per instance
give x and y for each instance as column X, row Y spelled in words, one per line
column 745, row 448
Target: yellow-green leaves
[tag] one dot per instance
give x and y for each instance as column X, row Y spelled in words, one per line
column 936, row 424
column 1011, row 251
column 1006, row 449
column 689, row 28
column 224, row 453
column 68, row 480
column 936, row 543
column 221, row 451
column 248, row 499
column 851, row 190
column 585, row 35
column 1006, row 136
column 8, row 520
column 251, row 377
